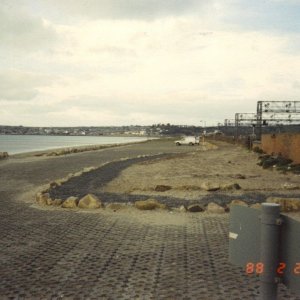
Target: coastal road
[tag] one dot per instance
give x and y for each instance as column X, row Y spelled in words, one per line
column 62, row 254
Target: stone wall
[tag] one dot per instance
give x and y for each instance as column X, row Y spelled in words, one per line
column 286, row 144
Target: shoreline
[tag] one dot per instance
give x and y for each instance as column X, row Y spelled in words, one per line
column 81, row 148
column 90, row 142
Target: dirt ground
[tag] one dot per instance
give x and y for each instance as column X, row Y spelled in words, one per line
column 186, row 173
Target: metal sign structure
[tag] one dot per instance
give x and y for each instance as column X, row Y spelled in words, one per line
column 247, row 242
column 244, row 119
column 269, row 113
column 276, row 113
column 229, row 122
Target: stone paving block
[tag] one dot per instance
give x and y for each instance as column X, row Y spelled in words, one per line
column 53, row 254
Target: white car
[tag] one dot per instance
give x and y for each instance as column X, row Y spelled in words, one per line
column 187, row 140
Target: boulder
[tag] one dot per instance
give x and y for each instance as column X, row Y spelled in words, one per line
column 215, row 208
column 256, row 206
column 57, row 202
column 238, row 202
column 149, row 204
column 210, row 186
column 42, row 198
column 54, row 202
column 195, row 208
column 287, row 204
column 71, row 202
column 89, row 201
column 230, row 186
column 162, row 188
column 182, row 208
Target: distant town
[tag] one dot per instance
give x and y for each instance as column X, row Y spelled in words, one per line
column 132, row 130
column 138, row 130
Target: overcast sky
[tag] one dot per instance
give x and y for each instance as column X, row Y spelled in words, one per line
column 122, row 62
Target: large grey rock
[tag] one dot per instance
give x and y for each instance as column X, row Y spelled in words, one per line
column 89, row 201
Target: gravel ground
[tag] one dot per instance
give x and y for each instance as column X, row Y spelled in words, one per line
column 94, row 181
column 136, row 178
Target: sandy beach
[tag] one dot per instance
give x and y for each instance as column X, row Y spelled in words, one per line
column 51, row 252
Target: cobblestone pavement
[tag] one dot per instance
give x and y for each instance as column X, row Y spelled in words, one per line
column 62, row 254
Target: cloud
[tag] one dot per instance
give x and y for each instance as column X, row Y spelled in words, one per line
column 20, row 86
column 129, row 9
column 123, row 62
column 21, row 31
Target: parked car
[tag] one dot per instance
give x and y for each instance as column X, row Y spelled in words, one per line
column 187, row 140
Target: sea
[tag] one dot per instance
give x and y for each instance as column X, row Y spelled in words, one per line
column 14, row 144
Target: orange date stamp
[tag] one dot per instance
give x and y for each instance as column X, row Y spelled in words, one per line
column 258, row 268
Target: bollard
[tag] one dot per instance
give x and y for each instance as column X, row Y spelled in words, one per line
column 269, row 252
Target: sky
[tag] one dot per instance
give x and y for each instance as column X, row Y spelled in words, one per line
column 123, row 62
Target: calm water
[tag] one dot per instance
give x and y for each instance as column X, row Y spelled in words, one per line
column 26, row 143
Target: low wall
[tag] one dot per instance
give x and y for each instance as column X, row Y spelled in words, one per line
column 286, row 144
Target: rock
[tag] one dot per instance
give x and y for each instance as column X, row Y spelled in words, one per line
column 54, row 202
column 238, row 202
column 3, row 155
column 215, row 208
column 57, row 202
column 162, row 188
column 182, row 208
column 49, row 201
column 287, row 204
column 71, row 202
column 42, row 198
column 89, row 201
column 149, row 204
column 290, row 186
column 230, row 186
column 88, row 169
column 116, row 206
column 195, row 208
column 210, row 186
column 256, row 206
